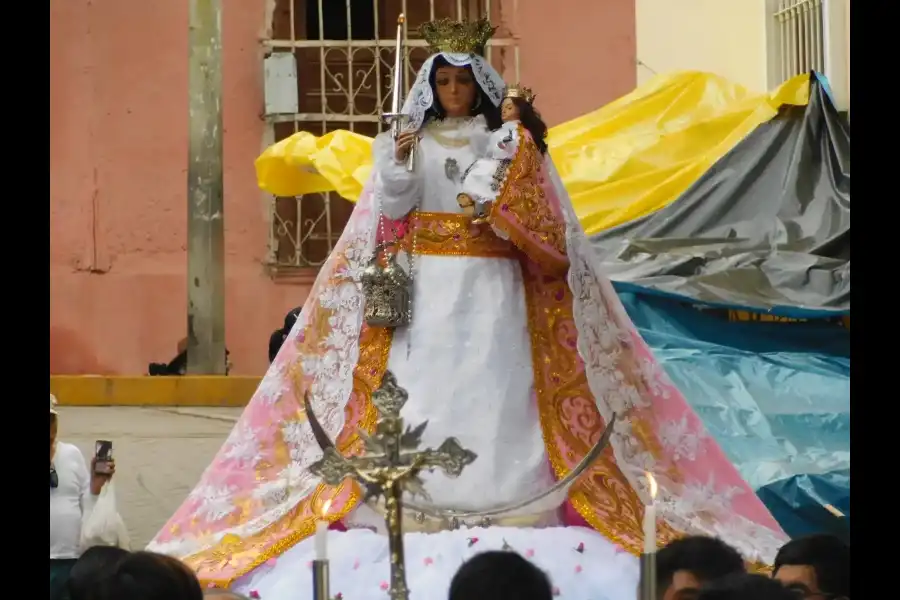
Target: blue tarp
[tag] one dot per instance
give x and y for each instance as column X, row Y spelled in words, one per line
column 776, row 396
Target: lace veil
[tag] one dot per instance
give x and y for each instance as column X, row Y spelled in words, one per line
column 421, row 96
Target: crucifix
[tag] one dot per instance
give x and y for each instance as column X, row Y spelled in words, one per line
column 390, row 466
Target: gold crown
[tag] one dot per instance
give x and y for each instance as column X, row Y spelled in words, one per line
column 457, row 37
column 520, row 91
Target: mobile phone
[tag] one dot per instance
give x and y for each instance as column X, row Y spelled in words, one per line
column 103, row 453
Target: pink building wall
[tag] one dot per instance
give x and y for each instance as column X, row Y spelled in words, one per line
column 118, row 160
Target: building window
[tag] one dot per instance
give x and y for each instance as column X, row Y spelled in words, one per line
column 344, row 53
column 334, row 20
column 800, row 34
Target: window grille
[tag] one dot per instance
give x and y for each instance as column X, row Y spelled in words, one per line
column 342, row 58
column 800, row 37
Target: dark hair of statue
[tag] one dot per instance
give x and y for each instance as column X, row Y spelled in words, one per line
column 483, row 107
column 532, row 122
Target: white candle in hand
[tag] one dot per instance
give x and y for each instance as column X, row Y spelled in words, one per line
column 321, row 539
column 650, row 518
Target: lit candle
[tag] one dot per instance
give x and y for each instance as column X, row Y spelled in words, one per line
column 650, row 518
column 321, row 540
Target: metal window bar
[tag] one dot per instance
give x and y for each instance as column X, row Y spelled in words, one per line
column 800, row 37
column 352, row 75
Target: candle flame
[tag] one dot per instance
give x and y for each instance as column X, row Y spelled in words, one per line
column 325, row 506
column 653, row 487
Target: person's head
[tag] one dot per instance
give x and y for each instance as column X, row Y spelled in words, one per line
column 218, row 594
column 275, row 342
column 745, row 586
column 457, row 94
column 499, row 575
column 279, row 335
column 95, row 564
column 149, row 576
column 509, row 110
column 519, row 104
column 816, row 566
column 289, row 319
column 54, row 421
column 685, row 564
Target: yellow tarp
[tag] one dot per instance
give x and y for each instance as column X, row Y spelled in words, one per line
column 628, row 159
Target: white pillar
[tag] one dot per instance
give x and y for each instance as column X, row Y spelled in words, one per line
column 836, row 26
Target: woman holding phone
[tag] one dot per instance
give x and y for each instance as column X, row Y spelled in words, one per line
column 73, row 492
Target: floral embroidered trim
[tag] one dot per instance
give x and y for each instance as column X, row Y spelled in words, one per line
column 245, row 554
column 453, row 234
column 570, row 420
column 242, row 555
column 521, row 212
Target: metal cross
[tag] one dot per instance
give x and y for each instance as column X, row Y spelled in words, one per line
column 390, row 467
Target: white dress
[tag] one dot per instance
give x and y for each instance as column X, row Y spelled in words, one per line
column 467, row 313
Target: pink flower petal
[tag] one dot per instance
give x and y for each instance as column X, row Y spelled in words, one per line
column 428, row 561
column 385, row 586
column 529, row 553
column 254, row 594
column 578, row 568
column 556, row 591
column 355, row 564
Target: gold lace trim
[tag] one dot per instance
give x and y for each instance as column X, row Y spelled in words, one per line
column 452, row 234
column 522, row 197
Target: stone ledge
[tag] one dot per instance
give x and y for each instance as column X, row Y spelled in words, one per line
column 93, row 390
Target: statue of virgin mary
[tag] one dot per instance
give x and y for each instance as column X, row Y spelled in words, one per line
column 515, row 344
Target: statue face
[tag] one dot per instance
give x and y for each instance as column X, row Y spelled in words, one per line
column 508, row 110
column 456, row 89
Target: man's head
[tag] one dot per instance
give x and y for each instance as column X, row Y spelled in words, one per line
column 91, row 568
column 745, row 586
column 817, row 566
column 149, row 576
column 217, row 594
column 684, row 565
column 499, row 575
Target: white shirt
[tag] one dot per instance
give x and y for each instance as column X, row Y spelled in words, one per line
column 69, row 502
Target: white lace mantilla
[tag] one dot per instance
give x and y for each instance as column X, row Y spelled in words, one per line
column 330, row 370
column 421, row 96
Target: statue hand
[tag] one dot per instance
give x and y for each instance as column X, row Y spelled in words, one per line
column 403, row 144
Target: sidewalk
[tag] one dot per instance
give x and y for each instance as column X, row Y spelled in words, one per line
column 160, row 454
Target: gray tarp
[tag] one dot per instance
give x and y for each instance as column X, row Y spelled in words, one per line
column 766, row 228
